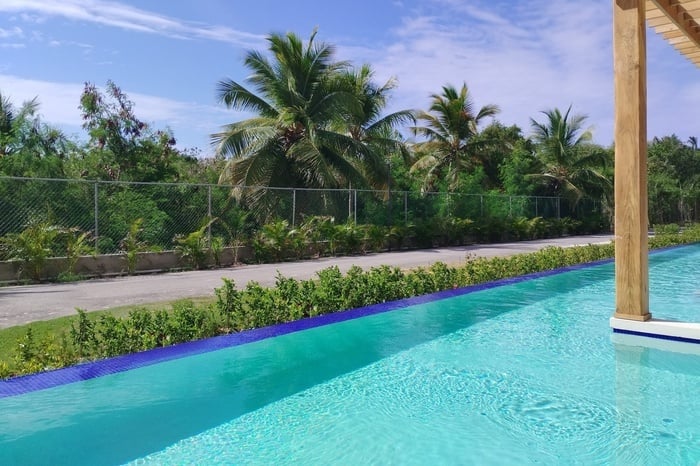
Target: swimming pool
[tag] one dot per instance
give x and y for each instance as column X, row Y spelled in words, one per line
column 518, row 374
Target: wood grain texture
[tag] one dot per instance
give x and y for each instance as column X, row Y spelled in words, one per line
column 631, row 223
column 678, row 22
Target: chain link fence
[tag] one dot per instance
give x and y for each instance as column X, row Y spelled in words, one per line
column 168, row 210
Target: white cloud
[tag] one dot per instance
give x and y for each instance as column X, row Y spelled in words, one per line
column 123, row 16
column 58, row 101
column 61, row 43
column 36, row 19
column 14, row 32
column 527, row 57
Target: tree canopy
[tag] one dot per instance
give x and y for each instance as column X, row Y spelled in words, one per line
column 314, row 121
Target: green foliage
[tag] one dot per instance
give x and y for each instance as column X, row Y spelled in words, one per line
column 132, row 245
column 83, row 335
column 217, row 248
column 451, row 146
column 569, row 165
column 120, row 209
column 29, row 147
column 77, row 244
column 276, row 241
column 228, row 302
column 193, row 247
column 33, row 246
column 5, row 370
column 121, row 146
column 258, row 308
column 317, row 124
column 374, row 238
column 321, row 234
column 349, row 237
column 674, row 179
column 670, row 229
column 327, row 296
column 191, row 322
column 290, row 299
column 40, row 354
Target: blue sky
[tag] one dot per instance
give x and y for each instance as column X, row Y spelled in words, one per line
column 524, row 56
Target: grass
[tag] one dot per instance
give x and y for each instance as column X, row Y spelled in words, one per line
column 9, row 337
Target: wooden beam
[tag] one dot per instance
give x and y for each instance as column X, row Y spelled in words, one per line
column 631, row 222
column 680, row 17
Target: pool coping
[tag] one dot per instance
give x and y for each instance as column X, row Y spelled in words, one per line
column 673, row 330
column 89, row 370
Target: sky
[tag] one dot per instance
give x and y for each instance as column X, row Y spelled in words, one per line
column 524, row 56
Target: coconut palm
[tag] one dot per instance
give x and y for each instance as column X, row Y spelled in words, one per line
column 375, row 132
column 15, row 123
column 569, row 165
column 294, row 140
column 450, row 127
column 29, row 147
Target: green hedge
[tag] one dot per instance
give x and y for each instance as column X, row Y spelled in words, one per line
column 255, row 306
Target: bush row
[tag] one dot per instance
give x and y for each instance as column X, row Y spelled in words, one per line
column 318, row 236
column 277, row 241
column 290, row 299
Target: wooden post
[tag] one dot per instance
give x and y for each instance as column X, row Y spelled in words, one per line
column 631, row 217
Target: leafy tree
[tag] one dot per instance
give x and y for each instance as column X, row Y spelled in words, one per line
column 296, row 140
column 514, row 170
column 674, row 179
column 451, row 127
column 568, row 165
column 497, row 143
column 121, row 146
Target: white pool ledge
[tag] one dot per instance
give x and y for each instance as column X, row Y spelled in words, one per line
column 686, row 332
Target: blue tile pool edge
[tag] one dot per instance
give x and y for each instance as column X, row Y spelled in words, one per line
column 89, row 370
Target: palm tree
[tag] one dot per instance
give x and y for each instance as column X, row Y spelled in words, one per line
column 294, row 140
column 15, row 124
column 29, row 147
column 569, row 165
column 375, row 132
column 451, row 125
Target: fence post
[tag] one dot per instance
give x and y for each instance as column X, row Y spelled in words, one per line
column 559, row 208
column 209, row 216
column 536, row 210
column 481, row 204
column 97, row 213
column 354, row 194
column 510, row 206
column 294, row 207
column 388, row 206
column 405, row 207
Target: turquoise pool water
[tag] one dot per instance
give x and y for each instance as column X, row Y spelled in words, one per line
column 519, row 374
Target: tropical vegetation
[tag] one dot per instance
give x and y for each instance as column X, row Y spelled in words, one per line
column 451, row 146
column 318, row 124
column 43, row 346
column 315, row 123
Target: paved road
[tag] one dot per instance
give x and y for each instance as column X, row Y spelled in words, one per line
column 24, row 304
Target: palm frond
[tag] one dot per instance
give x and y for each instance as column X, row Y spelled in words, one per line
column 234, row 95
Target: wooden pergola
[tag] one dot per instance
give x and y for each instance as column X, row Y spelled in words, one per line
column 678, row 22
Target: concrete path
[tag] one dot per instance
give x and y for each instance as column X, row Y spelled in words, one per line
column 24, row 304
